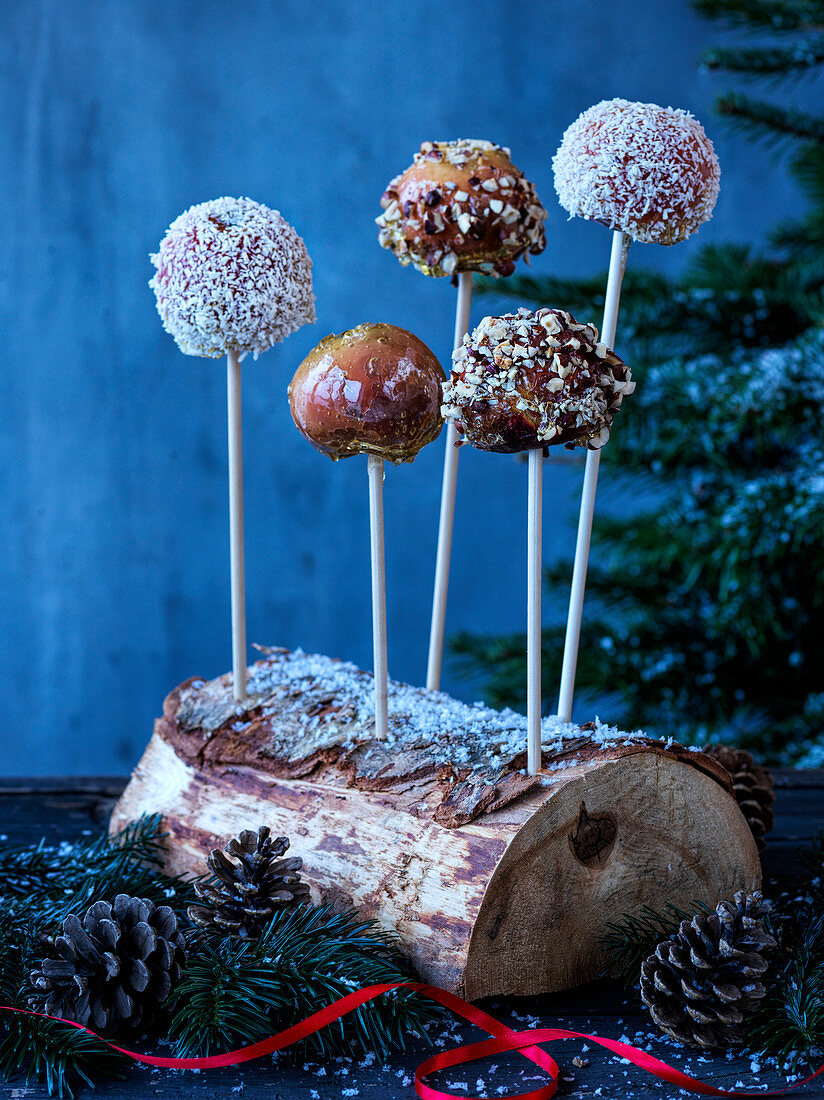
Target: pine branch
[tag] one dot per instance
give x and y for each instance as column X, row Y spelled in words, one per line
column 635, row 936
column 579, row 296
column 790, row 1021
column 807, row 168
column 49, row 882
column 812, row 859
column 225, row 999
column 774, row 61
column 768, row 121
column 238, row 992
column 57, row 1054
column 788, row 15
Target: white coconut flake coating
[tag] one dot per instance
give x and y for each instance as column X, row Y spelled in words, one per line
column 649, row 171
column 232, row 275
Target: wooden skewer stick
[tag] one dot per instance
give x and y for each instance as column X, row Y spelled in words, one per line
column 236, row 527
column 533, row 611
column 450, row 478
column 375, row 469
column 617, row 266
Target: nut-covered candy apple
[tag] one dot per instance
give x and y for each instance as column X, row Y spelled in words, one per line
column 528, row 380
column 376, row 389
column 461, row 206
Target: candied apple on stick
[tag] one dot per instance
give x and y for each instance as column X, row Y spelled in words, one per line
column 524, row 382
column 375, row 390
column 649, row 174
column 232, row 277
column 461, row 206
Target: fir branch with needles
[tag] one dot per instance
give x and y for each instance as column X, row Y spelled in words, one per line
column 60, row 1056
column 767, row 121
column 789, row 1024
column 51, row 882
column 241, row 991
column 635, row 936
column 765, row 15
column 772, row 61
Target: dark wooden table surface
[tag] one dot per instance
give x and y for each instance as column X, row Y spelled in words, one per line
column 64, row 809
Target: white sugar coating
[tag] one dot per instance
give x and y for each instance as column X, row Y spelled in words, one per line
column 649, row 171
column 232, row 275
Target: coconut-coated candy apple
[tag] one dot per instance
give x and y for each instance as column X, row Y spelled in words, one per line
column 232, row 275
column 375, row 389
column 649, row 171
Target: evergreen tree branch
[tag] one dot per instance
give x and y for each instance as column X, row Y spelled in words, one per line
column 238, row 992
column 769, row 121
column 768, row 60
column 60, row 1056
column 54, row 882
column 755, row 15
column 635, row 936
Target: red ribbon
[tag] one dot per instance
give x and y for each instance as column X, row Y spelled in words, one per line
column 503, row 1040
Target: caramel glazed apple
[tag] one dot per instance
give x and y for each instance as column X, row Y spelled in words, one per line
column 376, row 389
column 461, row 206
column 528, row 380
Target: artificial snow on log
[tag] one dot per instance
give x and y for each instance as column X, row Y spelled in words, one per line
column 496, row 881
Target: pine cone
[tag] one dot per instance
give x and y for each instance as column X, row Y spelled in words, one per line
column 753, row 787
column 246, row 895
column 702, row 983
column 113, row 968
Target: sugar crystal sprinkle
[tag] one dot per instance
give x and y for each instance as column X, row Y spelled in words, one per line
column 647, row 170
column 232, row 275
column 527, row 380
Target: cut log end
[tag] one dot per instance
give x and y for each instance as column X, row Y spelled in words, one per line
column 640, row 831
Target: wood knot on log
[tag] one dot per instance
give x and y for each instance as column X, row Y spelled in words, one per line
column 593, row 838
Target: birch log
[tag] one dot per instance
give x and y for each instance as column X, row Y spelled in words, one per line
column 496, row 881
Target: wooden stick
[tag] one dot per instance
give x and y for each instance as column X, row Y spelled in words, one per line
column 617, row 266
column 533, row 611
column 236, row 527
column 450, row 478
column 375, row 469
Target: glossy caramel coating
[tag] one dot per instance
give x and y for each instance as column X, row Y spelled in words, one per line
column 529, row 380
column 461, row 206
column 376, row 389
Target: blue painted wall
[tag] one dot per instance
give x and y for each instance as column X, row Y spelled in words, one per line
column 117, row 115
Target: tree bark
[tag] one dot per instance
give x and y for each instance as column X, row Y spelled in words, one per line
column 496, row 882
